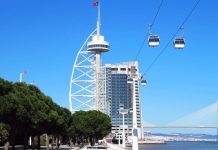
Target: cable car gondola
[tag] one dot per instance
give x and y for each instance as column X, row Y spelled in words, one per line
column 179, row 43
column 153, row 40
column 143, row 82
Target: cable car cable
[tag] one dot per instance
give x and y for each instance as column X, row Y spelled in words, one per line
column 165, row 47
column 158, row 10
column 153, row 21
column 140, row 48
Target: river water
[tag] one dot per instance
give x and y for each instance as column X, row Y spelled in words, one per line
column 182, row 146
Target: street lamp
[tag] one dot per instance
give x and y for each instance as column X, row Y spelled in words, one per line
column 123, row 112
column 134, row 113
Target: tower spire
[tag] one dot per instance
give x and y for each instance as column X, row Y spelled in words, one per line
column 98, row 44
column 99, row 18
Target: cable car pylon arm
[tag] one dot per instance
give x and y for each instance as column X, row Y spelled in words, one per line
column 149, row 29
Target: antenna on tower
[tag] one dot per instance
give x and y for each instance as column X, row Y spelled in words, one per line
column 99, row 17
column 98, row 43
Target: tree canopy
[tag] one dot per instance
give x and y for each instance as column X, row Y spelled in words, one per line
column 26, row 111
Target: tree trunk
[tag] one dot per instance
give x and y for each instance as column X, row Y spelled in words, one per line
column 47, row 142
column 70, row 141
column 25, row 141
column 91, row 140
column 6, row 145
column 32, row 142
column 58, row 142
column 13, row 138
column 38, row 141
column 74, row 140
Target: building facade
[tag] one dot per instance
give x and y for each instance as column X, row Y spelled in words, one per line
column 122, row 84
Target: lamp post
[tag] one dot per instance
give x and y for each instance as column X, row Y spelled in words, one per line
column 134, row 119
column 123, row 112
column 119, row 136
column 134, row 113
column 217, row 123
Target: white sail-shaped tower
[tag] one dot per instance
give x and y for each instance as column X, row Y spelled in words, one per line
column 86, row 91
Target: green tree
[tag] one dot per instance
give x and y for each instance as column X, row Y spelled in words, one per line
column 8, row 107
column 29, row 112
column 98, row 125
column 4, row 133
column 89, row 126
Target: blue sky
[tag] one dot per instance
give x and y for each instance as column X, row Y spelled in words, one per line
column 43, row 37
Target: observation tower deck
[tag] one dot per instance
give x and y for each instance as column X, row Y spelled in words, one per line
column 98, row 44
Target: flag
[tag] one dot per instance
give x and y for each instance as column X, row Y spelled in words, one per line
column 95, row 4
column 25, row 72
column 33, row 82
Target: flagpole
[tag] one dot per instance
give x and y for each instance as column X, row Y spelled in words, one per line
column 21, row 75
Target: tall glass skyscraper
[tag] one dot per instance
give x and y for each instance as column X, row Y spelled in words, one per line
column 119, row 92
